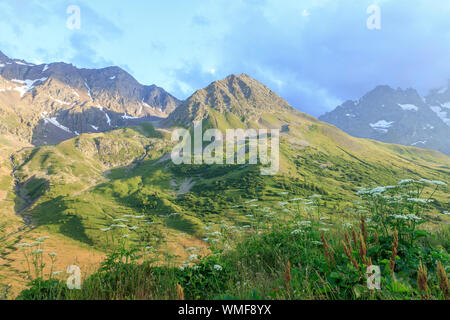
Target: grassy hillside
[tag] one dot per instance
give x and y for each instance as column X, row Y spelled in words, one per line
column 96, row 189
column 76, row 186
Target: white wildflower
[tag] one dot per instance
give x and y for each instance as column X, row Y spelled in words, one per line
column 418, row 200
column 193, row 257
column 42, row 238
column 435, row 182
column 303, row 223
column 23, row 245
column 347, row 225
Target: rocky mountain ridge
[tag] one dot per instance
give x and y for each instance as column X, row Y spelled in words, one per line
column 49, row 103
column 397, row 116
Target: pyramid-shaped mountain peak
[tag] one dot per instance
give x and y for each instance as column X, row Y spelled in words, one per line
column 239, row 95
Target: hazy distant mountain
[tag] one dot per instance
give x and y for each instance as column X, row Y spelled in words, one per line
column 397, row 116
column 49, row 103
column 439, row 102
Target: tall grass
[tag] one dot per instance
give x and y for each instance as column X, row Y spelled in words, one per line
column 288, row 251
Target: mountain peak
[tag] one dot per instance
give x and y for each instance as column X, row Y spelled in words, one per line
column 396, row 116
column 3, row 57
column 240, row 95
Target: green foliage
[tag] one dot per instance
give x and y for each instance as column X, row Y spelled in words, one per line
column 44, row 290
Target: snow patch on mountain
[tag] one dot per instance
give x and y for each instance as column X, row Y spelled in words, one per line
column 55, row 122
column 408, row 107
column 24, row 64
column 59, row 101
column 108, row 119
column 89, row 91
column 101, row 108
column 382, row 125
column 441, row 113
column 127, row 117
column 28, row 85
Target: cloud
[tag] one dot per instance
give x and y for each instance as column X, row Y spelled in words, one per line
column 200, row 21
column 84, row 54
column 189, row 78
column 314, row 53
column 332, row 56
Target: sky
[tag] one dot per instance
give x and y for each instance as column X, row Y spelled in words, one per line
column 314, row 53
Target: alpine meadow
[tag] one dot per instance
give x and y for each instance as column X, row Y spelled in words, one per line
column 114, row 190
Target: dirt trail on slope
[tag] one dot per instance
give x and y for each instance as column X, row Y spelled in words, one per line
column 186, row 186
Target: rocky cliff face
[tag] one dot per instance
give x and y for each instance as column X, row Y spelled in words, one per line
column 397, row 116
column 52, row 102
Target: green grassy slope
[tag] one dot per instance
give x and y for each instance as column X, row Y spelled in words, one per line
column 82, row 185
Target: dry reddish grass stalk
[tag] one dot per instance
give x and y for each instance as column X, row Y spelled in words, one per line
column 348, row 253
column 287, row 277
column 347, row 240
column 422, row 281
column 363, row 228
column 377, row 240
column 355, row 239
column 180, row 292
column 443, row 279
column 327, row 251
column 394, row 251
column 362, row 248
